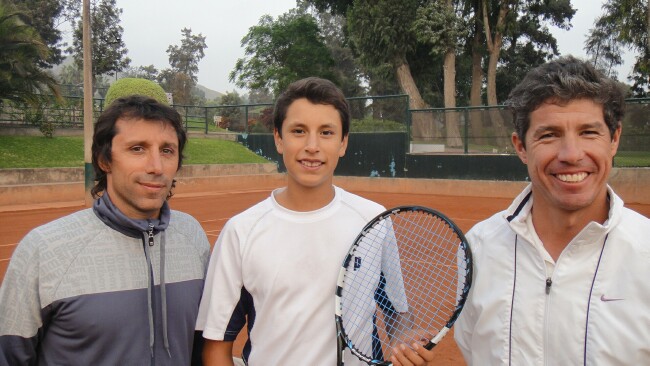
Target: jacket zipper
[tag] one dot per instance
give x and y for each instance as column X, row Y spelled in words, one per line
column 549, row 282
column 150, row 232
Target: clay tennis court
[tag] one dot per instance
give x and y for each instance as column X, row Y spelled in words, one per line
column 213, row 210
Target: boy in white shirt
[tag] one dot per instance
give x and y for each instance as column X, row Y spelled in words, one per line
column 275, row 265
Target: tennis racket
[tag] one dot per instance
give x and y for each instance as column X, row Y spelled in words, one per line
column 404, row 280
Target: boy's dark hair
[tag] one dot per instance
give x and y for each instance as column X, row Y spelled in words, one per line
column 317, row 91
column 561, row 81
column 131, row 107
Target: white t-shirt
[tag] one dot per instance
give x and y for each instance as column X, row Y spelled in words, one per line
column 283, row 266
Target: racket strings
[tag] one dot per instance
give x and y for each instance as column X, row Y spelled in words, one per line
column 403, row 283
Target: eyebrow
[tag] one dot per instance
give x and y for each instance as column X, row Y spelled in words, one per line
column 582, row 126
column 147, row 143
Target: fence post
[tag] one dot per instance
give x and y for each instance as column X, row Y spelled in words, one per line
column 409, row 118
column 466, row 144
column 246, row 118
column 206, row 119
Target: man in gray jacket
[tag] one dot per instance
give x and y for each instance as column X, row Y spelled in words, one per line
column 119, row 283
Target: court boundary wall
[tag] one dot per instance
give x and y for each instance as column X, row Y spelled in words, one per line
column 56, row 186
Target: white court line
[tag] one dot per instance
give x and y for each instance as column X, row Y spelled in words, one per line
column 212, row 220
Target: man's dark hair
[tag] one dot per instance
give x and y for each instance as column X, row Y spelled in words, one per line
column 131, row 107
column 317, row 91
column 559, row 82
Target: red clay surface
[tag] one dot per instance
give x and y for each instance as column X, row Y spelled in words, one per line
column 214, row 210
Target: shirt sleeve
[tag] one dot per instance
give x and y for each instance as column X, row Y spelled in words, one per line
column 223, row 288
column 464, row 326
column 20, row 314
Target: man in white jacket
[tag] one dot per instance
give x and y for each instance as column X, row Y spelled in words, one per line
column 562, row 277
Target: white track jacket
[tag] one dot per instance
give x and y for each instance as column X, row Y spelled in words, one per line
column 591, row 307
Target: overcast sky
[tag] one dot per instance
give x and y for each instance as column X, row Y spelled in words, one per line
column 150, row 26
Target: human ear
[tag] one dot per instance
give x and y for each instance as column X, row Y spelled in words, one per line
column 278, row 141
column 520, row 148
column 344, row 146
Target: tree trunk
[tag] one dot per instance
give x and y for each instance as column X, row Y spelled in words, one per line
column 494, row 43
column 476, row 116
column 647, row 28
column 422, row 126
column 451, row 117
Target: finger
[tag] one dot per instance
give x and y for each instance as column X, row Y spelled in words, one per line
column 404, row 356
column 425, row 354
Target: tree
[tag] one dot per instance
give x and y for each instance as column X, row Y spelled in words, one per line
column 382, row 33
column 21, row 51
column 108, row 48
column 439, row 25
column 260, row 96
column 184, row 60
column 231, row 116
column 505, row 22
column 141, row 72
column 347, row 70
column 45, row 16
column 624, row 23
column 279, row 52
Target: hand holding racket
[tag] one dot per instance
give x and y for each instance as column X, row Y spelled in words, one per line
column 404, row 280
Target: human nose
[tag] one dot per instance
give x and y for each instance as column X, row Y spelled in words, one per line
column 154, row 163
column 312, row 143
column 570, row 150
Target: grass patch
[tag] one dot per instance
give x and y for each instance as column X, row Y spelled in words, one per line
column 41, row 152
column 629, row 159
column 210, row 151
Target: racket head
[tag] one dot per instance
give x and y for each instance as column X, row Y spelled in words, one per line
column 405, row 280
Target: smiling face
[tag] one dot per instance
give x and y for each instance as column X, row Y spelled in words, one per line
column 569, row 152
column 311, row 144
column 144, row 161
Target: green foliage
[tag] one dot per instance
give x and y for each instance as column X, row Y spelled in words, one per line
column 370, row 124
column 35, row 116
column 281, row 52
column 348, row 71
column 229, row 116
column 41, row 152
column 45, row 15
column 129, row 86
column 108, row 48
column 21, row 51
column 439, row 26
column 181, row 78
column 624, row 24
column 141, row 72
column 382, row 31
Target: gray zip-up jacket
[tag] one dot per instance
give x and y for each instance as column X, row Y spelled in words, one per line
column 77, row 293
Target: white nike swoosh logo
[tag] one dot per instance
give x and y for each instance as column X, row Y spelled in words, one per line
column 603, row 298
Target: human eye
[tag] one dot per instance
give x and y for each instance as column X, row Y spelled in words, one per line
column 545, row 135
column 591, row 132
column 168, row 151
column 137, row 148
column 328, row 132
column 297, row 131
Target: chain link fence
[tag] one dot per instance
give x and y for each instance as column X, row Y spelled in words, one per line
column 462, row 130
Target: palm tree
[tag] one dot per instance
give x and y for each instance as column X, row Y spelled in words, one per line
column 21, row 48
